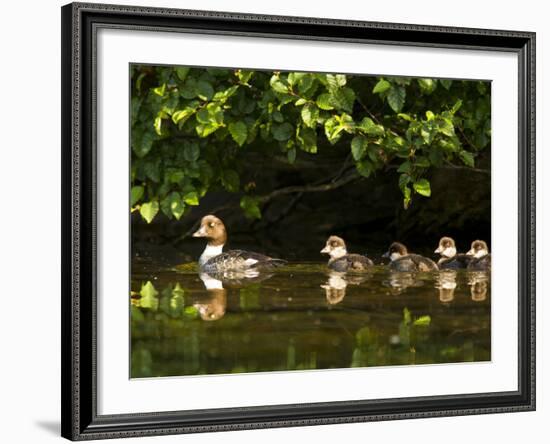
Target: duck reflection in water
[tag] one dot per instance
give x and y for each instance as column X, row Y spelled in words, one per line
column 211, row 306
column 335, row 287
column 447, row 285
column 399, row 281
column 479, row 285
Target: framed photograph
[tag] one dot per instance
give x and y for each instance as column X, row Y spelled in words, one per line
column 278, row 221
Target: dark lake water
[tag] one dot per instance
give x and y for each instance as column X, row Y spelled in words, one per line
column 303, row 317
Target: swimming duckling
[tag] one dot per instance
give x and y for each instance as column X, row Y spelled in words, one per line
column 340, row 260
column 481, row 259
column 449, row 257
column 401, row 260
column 214, row 260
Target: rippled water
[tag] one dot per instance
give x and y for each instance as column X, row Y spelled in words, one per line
column 304, row 317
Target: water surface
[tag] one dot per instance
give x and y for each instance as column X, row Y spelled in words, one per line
column 303, row 317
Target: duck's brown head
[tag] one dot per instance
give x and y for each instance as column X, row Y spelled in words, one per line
column 479, row 249
column 447, row 247
column 335, row 247
column 396, row 251
column 213, row 229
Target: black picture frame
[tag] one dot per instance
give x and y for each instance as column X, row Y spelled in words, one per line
column 79, row 395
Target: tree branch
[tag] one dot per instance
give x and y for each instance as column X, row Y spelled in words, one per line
column 311, row 188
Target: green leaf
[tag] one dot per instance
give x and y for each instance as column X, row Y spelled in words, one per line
column 422, row 187
column 142, row 142
column 222, row 96
column 427, row 85
column 244, row 76
column 152, row 170
column 406, row 196
column 191, row 198
column 446, row 83
column 238, row 132
column 381, row 86
column 467, row 158
column 422, row 321
column 189, row 89
column 191, row 152
column 180, row 117
column 324, row 102
column 343, row 98
column 405, row 167
column 278, row 85
column 333, row 130
column 430, row 115
column 456, row 106
column 149, row 210
column 251, row 208
column 422, row 162
column 158, row 125
column 359, row 146
column 406, row 117
column 364, row 168
column 310, row 114
column 205, row 91
column 369, row 127
column 291, row 155
column 176, row 206
column 136, row 193
column 230, row 180
column 182, row 73
column 404, row 180
column 282, row 132
column 396, row 98
column 160, row 90
column 307, row 138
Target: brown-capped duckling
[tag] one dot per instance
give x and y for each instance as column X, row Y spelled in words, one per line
column 402, row 260
column 481, row 259
column 340, row 260
column 450, row 259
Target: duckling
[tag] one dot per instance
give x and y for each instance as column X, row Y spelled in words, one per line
column 481, row 259
column 402, row 260
column 340, row 260
column 213, row 260
column 449, row 257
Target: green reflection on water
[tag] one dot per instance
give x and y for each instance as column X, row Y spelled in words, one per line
column 304, row 317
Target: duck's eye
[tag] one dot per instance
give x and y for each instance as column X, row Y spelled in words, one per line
column 212, row 224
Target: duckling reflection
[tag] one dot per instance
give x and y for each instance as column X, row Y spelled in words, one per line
column 335, row 287
column 447, row 285
column 212, row 306
column 399, row 281
column 479, row 284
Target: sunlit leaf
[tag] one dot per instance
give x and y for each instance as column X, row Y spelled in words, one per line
column 310, row 113
column 251, row 208
column 149, row 210
column 422, row 187
column 381, row 86
column 422, row 321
